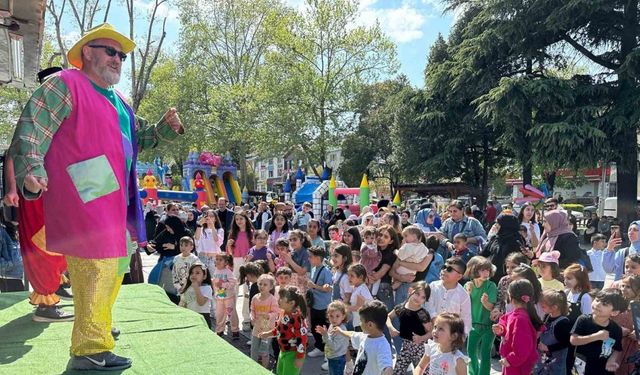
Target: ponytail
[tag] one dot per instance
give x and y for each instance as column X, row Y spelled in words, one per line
column 522, row 290
column 292, row 293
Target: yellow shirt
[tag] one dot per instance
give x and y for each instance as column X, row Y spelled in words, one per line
column 551, row 284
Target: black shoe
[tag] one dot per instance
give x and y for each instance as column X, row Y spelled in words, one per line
column 50, row 314
column 62, row 293
column 115, row 332
column 105, row 361
column 235, row 335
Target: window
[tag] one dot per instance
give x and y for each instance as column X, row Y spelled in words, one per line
column 17, row 57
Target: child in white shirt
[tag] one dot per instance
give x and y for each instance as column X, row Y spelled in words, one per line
column 447, row 295
column 598, row 275
column 183, row 262
column 197, row 293
column 374, row 352
column 360, row 294
column 442, row 355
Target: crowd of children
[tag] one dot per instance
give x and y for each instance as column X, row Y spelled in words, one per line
column 351, row 295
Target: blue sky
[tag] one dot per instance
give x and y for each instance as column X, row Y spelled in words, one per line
column 412, row 24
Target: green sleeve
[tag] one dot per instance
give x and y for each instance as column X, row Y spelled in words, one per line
column 41, row 118
column 149, row 136
column 492, row 292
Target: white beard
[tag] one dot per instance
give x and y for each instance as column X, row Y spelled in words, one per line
column 107, row 74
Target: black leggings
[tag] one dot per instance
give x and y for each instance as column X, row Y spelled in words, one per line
column 317, row 318
column 207, row 318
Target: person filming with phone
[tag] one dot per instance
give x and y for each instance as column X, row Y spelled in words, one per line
column 613, row 260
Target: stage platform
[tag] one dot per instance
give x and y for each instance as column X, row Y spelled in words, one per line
column 160, row 338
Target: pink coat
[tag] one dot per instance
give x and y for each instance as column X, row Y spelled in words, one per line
column 518, row 346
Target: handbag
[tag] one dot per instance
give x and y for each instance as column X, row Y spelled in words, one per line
column 309, row 294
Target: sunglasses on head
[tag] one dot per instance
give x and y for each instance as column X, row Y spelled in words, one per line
column 450, row 269
column 110, row 51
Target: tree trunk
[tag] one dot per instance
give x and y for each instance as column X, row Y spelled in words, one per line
column 525, row 157
column 627, row 137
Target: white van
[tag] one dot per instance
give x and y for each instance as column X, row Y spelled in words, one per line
column 611, row 206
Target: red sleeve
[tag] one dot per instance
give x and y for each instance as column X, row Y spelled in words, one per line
column 502, row 321
column 523, row 341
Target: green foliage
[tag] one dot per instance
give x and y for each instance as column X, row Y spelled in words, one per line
column 573, row 207
column 319, row 63
column 371, row 149
column 13, row 100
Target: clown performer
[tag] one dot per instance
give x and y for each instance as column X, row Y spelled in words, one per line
column 44, row 269
column 76, row 146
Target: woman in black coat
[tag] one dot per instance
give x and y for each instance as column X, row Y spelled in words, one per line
column 505, row 242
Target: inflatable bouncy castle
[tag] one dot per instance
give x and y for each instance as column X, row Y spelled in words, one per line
column 218, row 177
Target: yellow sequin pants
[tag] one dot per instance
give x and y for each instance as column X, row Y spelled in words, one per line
column 96, row 283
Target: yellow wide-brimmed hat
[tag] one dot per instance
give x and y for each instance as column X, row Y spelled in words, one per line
column 103, row 31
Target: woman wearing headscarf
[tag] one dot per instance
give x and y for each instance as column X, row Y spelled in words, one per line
column 338, row 215
column 167, row 244
column 506, row 241
column 151, row 219
column 558, row 236
column 426, row 220
column 592, row 227
column 612, row 260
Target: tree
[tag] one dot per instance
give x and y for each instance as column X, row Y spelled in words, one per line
column 588, row 116
column 448, row 141
column 379, row 108
column 320, row 61
column 228, row 39
column 85, row 14
column 148, row 54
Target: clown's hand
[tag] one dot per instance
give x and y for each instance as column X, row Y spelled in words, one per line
column 172, row 118
column 35, row 184
column 11, row 199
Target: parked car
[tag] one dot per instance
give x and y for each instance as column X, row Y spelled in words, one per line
column 611, row 206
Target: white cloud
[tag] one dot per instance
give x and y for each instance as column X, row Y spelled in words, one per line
column 436, row 4
column 403, row 21
column 403, row 24
column 70, row 38
column 166, row 9
column 296, row 4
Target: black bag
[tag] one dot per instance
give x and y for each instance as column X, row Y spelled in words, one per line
column 309, row 294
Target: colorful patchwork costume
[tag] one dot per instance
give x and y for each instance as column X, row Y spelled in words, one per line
column 84, row 139
column 44, row 269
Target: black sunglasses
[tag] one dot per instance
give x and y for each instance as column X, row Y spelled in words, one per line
column 450, row 269
column 110, row 51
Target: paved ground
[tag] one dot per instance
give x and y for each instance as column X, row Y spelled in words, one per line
column 311, row 365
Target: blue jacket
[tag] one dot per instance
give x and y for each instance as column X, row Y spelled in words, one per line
column 321, row 299
column 613, row 261
column 471, row 227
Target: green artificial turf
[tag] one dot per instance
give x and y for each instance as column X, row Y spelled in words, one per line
column 160, row 337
